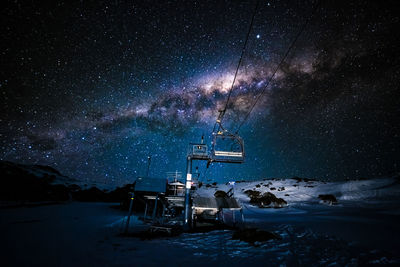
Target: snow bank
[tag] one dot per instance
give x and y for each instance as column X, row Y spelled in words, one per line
column 300, row 190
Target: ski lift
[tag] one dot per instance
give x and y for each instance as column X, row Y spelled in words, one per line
column 198, row 151
column 227, row 147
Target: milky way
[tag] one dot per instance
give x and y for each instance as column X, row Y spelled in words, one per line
column 93, row 88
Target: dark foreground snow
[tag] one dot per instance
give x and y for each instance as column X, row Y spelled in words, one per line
column 86, row 234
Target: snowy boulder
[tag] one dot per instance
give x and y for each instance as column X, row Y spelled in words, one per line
column 306, row 180
column 328, row 199
column 252, row 193
column 266, row 200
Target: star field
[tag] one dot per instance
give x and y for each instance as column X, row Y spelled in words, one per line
column 92, row 88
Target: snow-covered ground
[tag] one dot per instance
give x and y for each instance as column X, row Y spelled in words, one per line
column 294, row 191
column 361, row 229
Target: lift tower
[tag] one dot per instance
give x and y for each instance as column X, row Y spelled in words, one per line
column 225, row 148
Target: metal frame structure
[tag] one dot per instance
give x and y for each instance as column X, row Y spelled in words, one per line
column 200, row 152
column 227, row 156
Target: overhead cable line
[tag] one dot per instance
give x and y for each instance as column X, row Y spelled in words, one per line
column 279, row 65
column 222, row 113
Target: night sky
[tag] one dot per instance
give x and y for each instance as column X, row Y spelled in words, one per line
column 92, row 88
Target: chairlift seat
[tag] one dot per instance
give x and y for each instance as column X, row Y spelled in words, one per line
column 227, row 148
column 228, row 153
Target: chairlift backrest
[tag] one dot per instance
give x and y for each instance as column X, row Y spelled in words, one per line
column 227, row 147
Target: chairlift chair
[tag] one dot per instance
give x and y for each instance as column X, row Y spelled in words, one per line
column 227, row 147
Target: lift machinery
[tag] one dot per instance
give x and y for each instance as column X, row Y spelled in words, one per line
column 226, row 147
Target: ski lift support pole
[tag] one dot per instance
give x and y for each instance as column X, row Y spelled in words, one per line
column 129, row 213
column 188, row 185
column 148, row 166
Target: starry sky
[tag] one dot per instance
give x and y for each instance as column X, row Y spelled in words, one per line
column 94, row 87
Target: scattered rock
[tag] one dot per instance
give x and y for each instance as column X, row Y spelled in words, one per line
column 267, row 200
column 252, row 193
column 298, row 179
column 329, row 199
column 258, row 186
column 273, row 188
